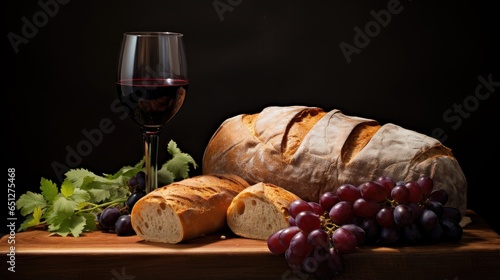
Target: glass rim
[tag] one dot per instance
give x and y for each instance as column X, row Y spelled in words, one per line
column 152, row 33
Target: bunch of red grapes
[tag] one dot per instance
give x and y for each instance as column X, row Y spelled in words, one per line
column 116, row 219
column 380, row 212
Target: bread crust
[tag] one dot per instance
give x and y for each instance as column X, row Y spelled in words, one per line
column 331, row 150
column 186, row 209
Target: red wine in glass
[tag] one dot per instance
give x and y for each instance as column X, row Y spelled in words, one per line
column 152, row 82
column 152, row 102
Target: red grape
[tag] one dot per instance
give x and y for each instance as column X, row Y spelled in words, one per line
column 274, row 244
column 357, row 231
column 348, row 192
column 365, row 208
column 385, row 217
column 316, row 208
column 327, row 200
column 344, row 240
column 373, row 191
column 416, row 194
column 298, row 206
column 335, row 262
column 299, row 244
column 294, row 261
column 426, row 184
column 400, row 194
column 318, row 238
column 307, row 221
column 377, row 212
column 287, row 234
column 341, row 213
column 387, row 182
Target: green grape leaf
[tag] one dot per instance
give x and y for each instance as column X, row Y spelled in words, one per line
column 49, row 190
column 29, row 201
column 73, row 225
column 67, row 189
column 63, row 205
column 32, row 220
column 179, row 164
column 99, row 195
column 78, row 176
column 27, row 223
column 165, row 177
column 126, row 171
column 80, row 195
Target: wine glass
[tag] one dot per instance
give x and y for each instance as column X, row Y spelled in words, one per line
column 152, row 83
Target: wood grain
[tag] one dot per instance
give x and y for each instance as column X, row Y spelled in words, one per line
column 100, row 255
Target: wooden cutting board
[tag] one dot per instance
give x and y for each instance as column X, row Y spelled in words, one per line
column 98, row 255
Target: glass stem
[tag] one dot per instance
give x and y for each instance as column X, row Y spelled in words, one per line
column 151, row 159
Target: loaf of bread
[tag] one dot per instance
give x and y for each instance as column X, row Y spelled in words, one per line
column 186, row 209
column 259, row 210
column 309, row 151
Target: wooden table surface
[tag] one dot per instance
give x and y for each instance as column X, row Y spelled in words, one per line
column 98, row 255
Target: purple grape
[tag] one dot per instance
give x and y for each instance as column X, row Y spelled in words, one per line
column 412, row 233
column 390, row 235
column 452, row 214
column 428, row 220
column 133, row 198
column 440, row 196
column 452, row 231
column 371, row 229
column 108, row 217
column 403, row 215
column 123, row 226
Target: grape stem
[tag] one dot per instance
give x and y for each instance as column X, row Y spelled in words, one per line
column 102, row 205
column 327, row 224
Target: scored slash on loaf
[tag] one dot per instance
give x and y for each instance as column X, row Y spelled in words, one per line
column 308, row 152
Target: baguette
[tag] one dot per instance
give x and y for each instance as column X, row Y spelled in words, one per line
column 309, row 151
column 186, row 209
column 259, row 210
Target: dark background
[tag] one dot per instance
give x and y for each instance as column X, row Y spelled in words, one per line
column 243, row 57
